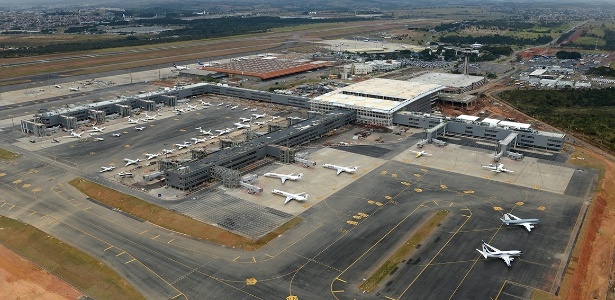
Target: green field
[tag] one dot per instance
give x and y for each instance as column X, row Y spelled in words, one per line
column 5, row 154
column 79, row 269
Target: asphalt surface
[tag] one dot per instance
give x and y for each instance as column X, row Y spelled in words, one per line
column 324, row 257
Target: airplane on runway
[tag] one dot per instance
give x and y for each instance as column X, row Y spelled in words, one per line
column 420, row 153
column 245, row 119
column 257, row 116
column 233, row 107
column 151, row 156
column 140, row 128
column 493, row 252
column 74, row 134
column 284, row 177
column 106, row 169
column 498, row 168
column 197, row 140
column 341, row 169
column 133, row 121
column 167, row 151
column 116, row 134
column 180, row 68
column 240, row 125
column 289, row 196
column 184, row 145
column 131, row 162
column 97, row 129
column 509, row 219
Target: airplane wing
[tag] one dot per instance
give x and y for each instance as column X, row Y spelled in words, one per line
column 288, row 198
column 418, row 154
column 507, row 259
column 527, row 226
column 339, row 171
column 283, row 179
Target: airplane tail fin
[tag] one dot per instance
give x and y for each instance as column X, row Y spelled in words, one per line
column 483, row 253
column 505, row 219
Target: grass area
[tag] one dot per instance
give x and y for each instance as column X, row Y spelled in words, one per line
column 542, row 295
column 403, row 252
column 79, row 269
column 585, row 40
column 172, row 220
column 580, row 158
column 6, row 154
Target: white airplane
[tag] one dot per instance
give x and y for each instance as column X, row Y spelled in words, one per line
column 498, row 168
column 97, row 129
column 233, row 107
column 58, row 86
column 131, row 162
column 151, row 156
column 340, row 169
column 73, row 89
column 74, row 134
column 140, row 128
column 420, row 153
column 106, row 169
column 197, row 140
column 116, row 134
column 253, row 110
column 167, row 151
column 205, row 132
column 205, row 103
column 284, row 177
column 258, row 123
column 289, row 196
column 191, row 107
column 245, row 119
column 54, row 140
column 149, row 118
column 220, row 104
column 240, row 125
column 202, row 64
column 223, row 131
column 184, row 145
column 99, row 139
column 245, row 108
column 180, row 68
column 133, row 121
column 256, row 116
column 493, row 252
column 124, row 174
column 274, row 117
column 514, row 220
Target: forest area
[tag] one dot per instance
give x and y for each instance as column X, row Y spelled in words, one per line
column 590, row 113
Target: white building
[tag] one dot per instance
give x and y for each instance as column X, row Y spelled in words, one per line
column 376, row 100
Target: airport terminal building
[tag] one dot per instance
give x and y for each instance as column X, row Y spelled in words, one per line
column 376, row 100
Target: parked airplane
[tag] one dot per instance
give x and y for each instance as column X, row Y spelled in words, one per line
column 256, row 116
column 133, row 121
column 54, row 140
column 73, row 89
column 116, row 134
column 493, row 252
column 124, row 174
column 245, row 119
column 258, row 123
column 106, row 169
column 140, row 128
column 58, row 86
column 74, row 134
column 97, row 129
column 240, row 125
column 253, row 110
column 149, row 118
column 206, row 132
column 167, row 151
column 99, row 139
column 151, row 156
column 202, row 64
column 284, row 177
column 498, row 168
column 220, row 104
column 131, row 162
column 420, row 153
column 340, row 169
column 191, row 107
column 184, row 145
column 223, row 131
column 205, row 103
column 233, row 107
column 245, row 108
column 180, row 68
column 197, row 140
column 274, row 117
column 514, row 220
column 289, row 196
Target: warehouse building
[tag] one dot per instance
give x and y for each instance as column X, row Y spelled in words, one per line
column 454, row 83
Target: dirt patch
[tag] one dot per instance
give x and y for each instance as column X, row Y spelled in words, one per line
column 21, row 279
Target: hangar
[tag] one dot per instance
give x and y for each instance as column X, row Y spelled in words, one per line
column 454, row 83
column 264, row 68
column 376, row 100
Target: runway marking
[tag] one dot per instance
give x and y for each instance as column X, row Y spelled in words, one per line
column 32, row 213
column 423, row 205
column 434, row 201
column 394, row 175
column 388, row 197
column 291, row 297
column 236, row 258
column 251, row 281
column 468, row 192
column 389, row 298
column 541, row 208
column 143, row 232
column 417, row 175
column 271, row 256
column 108, row 248
column 536, row 187
column 357, row 217
column 520, row 203
column 465, row 215
column 406, row 183
column 155, row 237
column 364, row 215
column 340, row 291
column 130, row 261
column 344, row 281
column 170, row 241
column 419, row 191
column 120, row 253
column 178, row 296
column 497, row 208
column 383, row 173
column 464, row 208
column 379, row 204
column 352, row 222
column 42, row 217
